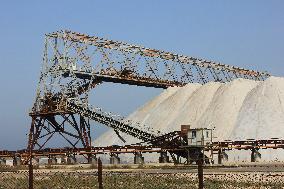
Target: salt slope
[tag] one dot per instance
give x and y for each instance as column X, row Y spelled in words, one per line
column 156, row 114
column 169, row 109
column 110, row 137
column 195, row 106
column 262, row 117
column 227, row 107
column 262, row 113
column 224, row 107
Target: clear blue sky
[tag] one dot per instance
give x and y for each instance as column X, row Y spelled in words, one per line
column 244, row 33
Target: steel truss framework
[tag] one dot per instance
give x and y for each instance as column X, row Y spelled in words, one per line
column 121, row 62
column 74, row 64
column 46, row 126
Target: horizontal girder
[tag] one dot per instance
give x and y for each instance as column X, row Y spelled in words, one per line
column 121, row 62
column 216, row 146
column 124, row 80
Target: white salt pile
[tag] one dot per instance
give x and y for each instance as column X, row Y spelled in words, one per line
column 238, row 110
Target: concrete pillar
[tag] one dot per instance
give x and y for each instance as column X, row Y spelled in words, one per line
column 71, row 159
column 17, row 161
column 222, row 156
column 36, row 161
column 2, row 161
column 63, row 160
column 92, row 159
column 52, row 160
column 114, row 159
column 138, row 158
column 164, row 158
column 255, row 155
column 179, row 159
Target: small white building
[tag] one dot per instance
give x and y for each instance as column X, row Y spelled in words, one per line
column 199, row 137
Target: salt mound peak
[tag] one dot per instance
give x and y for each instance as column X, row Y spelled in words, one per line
column 262, row 113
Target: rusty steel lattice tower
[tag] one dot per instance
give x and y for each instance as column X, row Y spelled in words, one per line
column 74, row 64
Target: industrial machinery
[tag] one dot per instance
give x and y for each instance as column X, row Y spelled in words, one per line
column 75, row 63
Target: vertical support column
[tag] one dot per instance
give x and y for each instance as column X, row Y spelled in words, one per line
column 31, row 141
column 178, row 159
column 17, row 161
column 52, row 160
column 222, row 156
column 92, row 159
column 49, row 161
column 2, row 161
column 74, row 159
column 164, row 158
column 138, row 158
column 189, row 160
column 36, row 160
column 71, row 159
column 63, row 159
column 114, row 159
column 255, row 155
